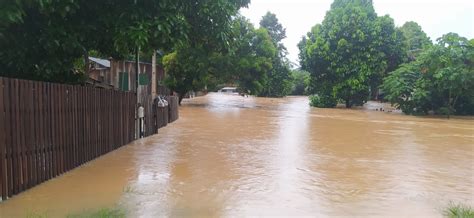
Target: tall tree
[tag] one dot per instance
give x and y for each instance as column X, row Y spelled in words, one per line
column 415, row 38
column 279, row 78
column 245, row 62
column 349, row 53
column 253, row 60
column 276, row 31
column 210, row 34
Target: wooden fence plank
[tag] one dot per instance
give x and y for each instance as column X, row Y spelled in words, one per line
column 29, row 139
column 43, row 97
column 54, row 128
column 16, row 137
column 62, row 129
column 49, row 127
column 34, row 125
column 39, row 131
column 66, row 157
column 22, row 134
column 3, row 177
column 8, row 137
column 70, row 123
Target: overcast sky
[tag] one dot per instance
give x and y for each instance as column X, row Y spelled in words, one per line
column 436, row 17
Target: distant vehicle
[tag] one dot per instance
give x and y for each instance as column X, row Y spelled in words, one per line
column 229, row 90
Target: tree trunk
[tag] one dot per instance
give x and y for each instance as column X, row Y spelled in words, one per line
column 374, row 92
column 180, row 97
column 449, row 104
column 86, row 63
column 348, row 104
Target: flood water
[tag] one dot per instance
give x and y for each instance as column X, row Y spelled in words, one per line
column 230, row 156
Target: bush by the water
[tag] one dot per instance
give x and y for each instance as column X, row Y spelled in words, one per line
column 459, row 211
column 322, row 101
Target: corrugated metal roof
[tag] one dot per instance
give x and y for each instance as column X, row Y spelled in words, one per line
column 103, row 62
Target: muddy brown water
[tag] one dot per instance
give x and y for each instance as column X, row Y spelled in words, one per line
column 229, row 156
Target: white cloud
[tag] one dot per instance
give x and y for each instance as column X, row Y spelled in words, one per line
column 436, row 17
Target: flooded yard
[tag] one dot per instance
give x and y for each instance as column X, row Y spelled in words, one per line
column 230, row 156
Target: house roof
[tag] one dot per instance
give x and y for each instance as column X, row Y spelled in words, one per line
column 103, row 62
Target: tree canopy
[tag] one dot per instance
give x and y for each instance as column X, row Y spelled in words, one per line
column 43, row 39
column 254, row 60
column 350, row 52
column 278, row 83
column 245, row 60
column 441, row 80
column 415, row 38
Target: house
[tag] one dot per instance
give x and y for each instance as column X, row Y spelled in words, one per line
column 120, row 75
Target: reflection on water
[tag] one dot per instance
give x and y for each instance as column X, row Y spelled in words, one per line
column 235, row 156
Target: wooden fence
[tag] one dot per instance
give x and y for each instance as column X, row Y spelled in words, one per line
column 156, row 117
column 173, row 108
column 47, row 129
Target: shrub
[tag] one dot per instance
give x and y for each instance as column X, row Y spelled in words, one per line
column 458, row 211
column 323, row 101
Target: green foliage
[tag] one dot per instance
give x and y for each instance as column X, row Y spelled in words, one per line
column 278, row 83
column 458, row 211
column 415, row 38
column 42, row 40
column 102, row 213
column 440, row 80
column 400, row 85
column 300, row 81
column 350, row 52
column 253, row 60
column 322, row 101
column 200, row 60
column 276, row 31
column 186, row 70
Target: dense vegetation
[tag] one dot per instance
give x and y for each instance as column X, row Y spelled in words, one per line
column 300, row 81
column 205, row 42
column 440, row 80
column 354, row 54
column 45, row 39
column 278, row 82
column 349, row 53
column 254, row 60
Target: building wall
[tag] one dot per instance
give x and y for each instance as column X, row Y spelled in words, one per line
column 111, row 77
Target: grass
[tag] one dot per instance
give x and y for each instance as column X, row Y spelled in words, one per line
column 128, row 189
column 31, row 214
column 102, row 213
column 458, row 211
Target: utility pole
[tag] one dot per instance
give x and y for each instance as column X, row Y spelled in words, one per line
column 137, row 73
column 137, row 69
